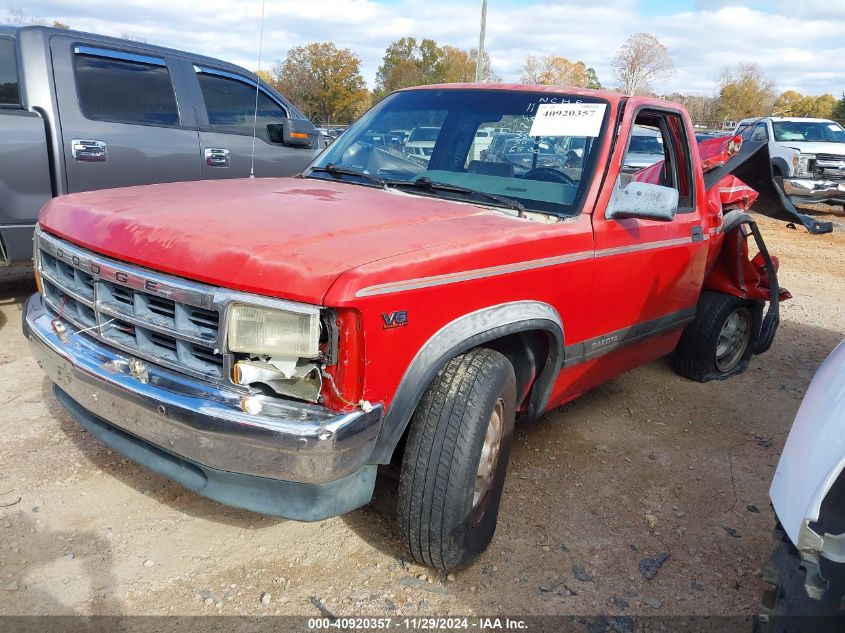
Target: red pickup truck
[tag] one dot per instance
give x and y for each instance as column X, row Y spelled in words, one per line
column 268, row 343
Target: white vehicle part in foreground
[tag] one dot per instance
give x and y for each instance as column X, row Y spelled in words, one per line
column 812, row 460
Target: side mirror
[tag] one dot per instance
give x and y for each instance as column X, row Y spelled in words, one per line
column 293, row 132
column 643, row 200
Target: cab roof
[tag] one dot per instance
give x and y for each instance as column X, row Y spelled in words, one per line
column 607, row 95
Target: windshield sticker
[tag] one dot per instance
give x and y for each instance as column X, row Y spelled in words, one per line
column 576, row 119
column 834, row 127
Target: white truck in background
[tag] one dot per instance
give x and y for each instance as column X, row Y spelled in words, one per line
column 808, row 155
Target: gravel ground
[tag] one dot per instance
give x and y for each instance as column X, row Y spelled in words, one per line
column 648, row 466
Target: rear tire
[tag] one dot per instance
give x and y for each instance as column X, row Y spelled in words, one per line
column 720, row 341
column 455, row 459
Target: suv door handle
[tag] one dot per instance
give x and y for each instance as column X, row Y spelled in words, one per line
column 88, row 151
column 216, row 157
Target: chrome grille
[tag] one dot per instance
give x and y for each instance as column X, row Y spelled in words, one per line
column 829, row 167
column 160, row 318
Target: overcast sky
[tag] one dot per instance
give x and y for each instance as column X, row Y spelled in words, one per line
column 799, row 43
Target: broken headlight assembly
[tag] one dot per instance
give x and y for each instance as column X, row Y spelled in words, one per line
column 802, row 165
column 277, row 351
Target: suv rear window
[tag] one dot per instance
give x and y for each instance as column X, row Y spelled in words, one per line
column 9, row 91
column 125, row 91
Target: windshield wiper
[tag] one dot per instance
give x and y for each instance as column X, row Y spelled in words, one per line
column 337, row 170
column 427, row 184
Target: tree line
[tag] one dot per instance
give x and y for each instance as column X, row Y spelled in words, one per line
column 326, row 82
column 327, row 85
column 745, row 92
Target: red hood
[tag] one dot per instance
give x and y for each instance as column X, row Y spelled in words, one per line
column 284, row 237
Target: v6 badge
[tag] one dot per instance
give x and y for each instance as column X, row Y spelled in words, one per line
column 395, row 319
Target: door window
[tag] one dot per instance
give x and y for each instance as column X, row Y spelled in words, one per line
column 9, row 91
column 231, row 107
column 658, row 152
column 744, row 131
column 125, row 88
column 760, row 133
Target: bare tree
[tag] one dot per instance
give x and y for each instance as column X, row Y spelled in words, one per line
column 641, row 61
column 133, row 37
column 531, row 70
column 16, row 15
column 701, row 109
column 555, row 70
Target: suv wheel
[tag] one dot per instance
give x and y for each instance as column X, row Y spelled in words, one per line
column 720, row 341
column 456, row 455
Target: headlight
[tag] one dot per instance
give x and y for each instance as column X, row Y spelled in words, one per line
column 803, row 168
column 272, row 332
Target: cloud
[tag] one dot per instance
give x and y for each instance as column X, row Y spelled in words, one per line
column 799, row 45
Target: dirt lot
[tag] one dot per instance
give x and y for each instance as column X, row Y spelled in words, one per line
column 647, row 464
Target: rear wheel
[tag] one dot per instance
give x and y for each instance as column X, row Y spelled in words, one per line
column 720, row 341
column 455, row 459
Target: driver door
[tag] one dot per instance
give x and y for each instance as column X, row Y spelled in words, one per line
column 649, row 273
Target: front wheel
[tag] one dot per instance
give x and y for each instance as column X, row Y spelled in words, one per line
column 720, row 341
column 456, row 455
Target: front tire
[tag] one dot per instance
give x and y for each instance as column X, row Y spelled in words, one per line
column 455, row 459
column 720, row 341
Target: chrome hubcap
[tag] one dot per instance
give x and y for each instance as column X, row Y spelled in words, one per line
column 733, row 339
column 489, row 453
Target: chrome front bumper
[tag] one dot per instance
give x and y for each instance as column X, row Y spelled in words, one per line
column 805, row 190
column 197, row 421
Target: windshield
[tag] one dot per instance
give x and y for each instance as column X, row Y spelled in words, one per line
column 544, row 161
column 824, row 131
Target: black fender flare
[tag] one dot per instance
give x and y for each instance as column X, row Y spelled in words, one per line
column 782, row 165
column 459, row 336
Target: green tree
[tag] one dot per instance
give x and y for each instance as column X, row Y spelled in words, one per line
column 744, row 92
column 593, row 79
column 792, row 103
column 823, row 106
column 839, row 109
column 408, row 62
column 457, row 65
column 323, row 81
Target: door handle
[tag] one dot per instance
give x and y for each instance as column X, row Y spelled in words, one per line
column 88, row 151
column 697, row 234
column 216, row 157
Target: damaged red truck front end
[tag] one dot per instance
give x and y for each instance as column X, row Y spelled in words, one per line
column 269, row 343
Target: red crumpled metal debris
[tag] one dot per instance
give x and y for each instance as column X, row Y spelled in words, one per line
column 732, row 271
